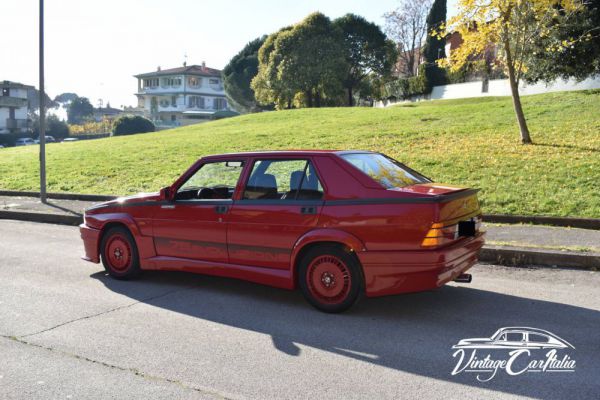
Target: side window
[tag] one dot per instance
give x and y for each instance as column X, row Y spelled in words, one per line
column 534, row 337
column 514, row 337
column 283, row 180
column 212, row 181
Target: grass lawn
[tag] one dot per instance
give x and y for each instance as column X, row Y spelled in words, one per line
column 471, row 142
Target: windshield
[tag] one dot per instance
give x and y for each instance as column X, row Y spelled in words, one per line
column 387, row 171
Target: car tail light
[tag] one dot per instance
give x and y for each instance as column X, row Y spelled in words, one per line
column 440, row 234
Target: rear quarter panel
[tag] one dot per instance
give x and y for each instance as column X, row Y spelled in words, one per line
column 382, row 227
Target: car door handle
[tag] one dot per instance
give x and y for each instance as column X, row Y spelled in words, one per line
column 308, row 210
column 221, row 209
column 168, row 206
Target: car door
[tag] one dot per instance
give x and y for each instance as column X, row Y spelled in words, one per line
column 194, row 224
column 281, row 201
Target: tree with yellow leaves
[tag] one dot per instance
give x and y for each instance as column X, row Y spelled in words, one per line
column 510, row 25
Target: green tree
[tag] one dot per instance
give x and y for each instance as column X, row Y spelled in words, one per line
column 238, row 75
column 304, row 64
column 54, row 127
column 367, row 51
column 512, row 25
column 79, row 109
column 130, row 124
column 65, row 97
column 435, row 45
column 268, row 88
column 572, row 47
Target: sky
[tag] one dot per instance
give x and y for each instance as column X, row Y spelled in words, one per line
column 93, row 48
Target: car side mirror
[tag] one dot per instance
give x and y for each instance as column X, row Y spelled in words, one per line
column 166, row 193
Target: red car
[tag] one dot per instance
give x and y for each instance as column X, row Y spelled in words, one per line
column 337, row 224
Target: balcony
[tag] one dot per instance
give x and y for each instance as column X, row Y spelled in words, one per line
column 17, row 102
column 13, row 123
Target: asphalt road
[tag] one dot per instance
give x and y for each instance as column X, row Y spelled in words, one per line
column 69, row 331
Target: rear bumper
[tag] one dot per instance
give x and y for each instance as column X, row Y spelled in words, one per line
column 393, row 272
column 91, row 239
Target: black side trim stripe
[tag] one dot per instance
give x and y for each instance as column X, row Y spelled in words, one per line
column 168, row 240
column 232, row 247
column 415, row 200
column 346, row 202
column 275, row 202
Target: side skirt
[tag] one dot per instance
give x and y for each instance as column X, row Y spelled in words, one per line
column 267, row 276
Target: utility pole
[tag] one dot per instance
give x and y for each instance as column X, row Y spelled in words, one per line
column 42, row 111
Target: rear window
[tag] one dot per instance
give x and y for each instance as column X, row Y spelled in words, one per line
column 387, row 171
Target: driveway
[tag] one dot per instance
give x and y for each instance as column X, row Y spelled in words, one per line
column 69, row 331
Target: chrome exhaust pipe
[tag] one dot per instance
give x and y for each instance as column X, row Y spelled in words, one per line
column 464, row 278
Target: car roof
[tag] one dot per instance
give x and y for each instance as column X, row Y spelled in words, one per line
column 522, row 328
column 284, row 153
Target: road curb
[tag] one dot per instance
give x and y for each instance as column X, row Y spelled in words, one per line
column 518, row 256
column 59, row 219
column 502, row 255
column 60, row 196
column 583, row 223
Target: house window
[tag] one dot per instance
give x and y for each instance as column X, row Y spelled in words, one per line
column 194, row 81
column 173, row 101
column 213, row 81
column 151, row 82
column 220, row 104
column 196, row 102
column 5, row 91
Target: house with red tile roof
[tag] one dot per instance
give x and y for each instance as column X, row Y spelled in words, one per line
column 181, row 96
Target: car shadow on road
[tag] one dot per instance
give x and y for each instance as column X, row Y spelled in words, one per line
column 413, row 333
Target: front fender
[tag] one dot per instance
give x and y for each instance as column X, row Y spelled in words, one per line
column 99, row 221
column 324, row 235
column 145, row 244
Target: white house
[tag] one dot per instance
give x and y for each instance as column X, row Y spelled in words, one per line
column 181, row 96
column 13, row 107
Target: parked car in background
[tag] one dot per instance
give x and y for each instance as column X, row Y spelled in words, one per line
column 49, row 139
column 24, row 142
column 1, row 146
column 336, row 224
column 70, row 139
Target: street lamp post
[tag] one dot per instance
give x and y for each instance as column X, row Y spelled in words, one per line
column 42, row 111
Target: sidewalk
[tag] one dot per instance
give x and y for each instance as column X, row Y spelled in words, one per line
column 505, row 244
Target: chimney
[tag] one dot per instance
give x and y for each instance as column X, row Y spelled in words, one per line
column 158, row 68
column 203, row 64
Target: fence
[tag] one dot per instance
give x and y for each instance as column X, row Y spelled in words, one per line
column 499, row 87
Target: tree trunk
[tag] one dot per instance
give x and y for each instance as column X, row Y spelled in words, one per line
column 514, row 89
column 350, row 97
column 309, row 98
column 318, row 99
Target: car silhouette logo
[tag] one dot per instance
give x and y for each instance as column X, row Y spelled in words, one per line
column 516, row 338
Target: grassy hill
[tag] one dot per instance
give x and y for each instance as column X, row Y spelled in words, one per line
column 472, row 142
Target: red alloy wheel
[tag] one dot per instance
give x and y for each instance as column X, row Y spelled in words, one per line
column 328, row 279
column 118, row 252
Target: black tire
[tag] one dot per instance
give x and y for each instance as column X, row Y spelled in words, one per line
column 320, row 271
column 125, row 245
